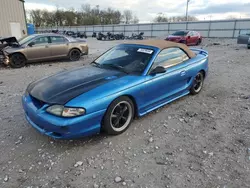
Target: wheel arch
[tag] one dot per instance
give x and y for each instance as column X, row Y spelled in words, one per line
column 20, row 53
column 74, row 48
column 203, row 72
column 131, row 98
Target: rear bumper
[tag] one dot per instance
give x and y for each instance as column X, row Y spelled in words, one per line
column 59, row 127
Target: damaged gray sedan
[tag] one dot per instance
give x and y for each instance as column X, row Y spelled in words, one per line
column 40, row 47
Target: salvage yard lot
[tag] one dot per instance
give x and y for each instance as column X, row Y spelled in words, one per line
column 197, row 141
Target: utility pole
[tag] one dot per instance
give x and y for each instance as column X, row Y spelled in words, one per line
column 187, row 10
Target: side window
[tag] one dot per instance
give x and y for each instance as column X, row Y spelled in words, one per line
column 170, row 57
column 57, row 40
column 41, row 41
column 191, row 33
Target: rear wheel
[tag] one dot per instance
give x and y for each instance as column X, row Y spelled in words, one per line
column 118, row 116
column 197, row 83
column 17, row 60
column 74, row 55
column 198, row 42
column 248, row 47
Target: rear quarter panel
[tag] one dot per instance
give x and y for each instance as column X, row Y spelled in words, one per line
column 82, row 46
column 200, row 61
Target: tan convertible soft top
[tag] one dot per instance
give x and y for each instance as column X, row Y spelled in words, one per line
column 161, row 44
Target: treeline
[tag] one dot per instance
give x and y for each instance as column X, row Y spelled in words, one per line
column 162, row 18
column 85, row 16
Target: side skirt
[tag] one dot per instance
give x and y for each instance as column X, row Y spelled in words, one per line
column 170, row 99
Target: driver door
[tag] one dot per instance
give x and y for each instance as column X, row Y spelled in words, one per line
column 39, row 50
column 164, row 87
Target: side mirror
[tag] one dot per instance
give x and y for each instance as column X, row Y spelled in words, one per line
column 31, row 44
column 189, row 37
column 158, row 70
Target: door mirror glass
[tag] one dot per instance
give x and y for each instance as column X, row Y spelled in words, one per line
column 31, row 44
column 158, row 70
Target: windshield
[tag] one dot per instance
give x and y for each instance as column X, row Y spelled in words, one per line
column 180, row 33
column 25, row 39
column 126, row 58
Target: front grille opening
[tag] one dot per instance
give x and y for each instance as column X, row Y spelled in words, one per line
column 38, row 103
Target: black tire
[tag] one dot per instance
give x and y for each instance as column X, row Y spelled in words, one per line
column 197, row 83
column 74, row 55
column 119, row 116
column 198, row 42
column 248, row 47
column 183, row 42
column 17, row 60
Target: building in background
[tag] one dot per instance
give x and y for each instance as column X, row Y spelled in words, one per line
column 12, row 18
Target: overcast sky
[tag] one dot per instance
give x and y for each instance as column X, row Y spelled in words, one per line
column 146, row 10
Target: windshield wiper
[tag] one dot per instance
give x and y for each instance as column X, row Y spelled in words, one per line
column 96, row 64
column 117, row 67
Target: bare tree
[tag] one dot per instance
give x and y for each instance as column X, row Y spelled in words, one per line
column 161, row 18
column 135, row 20
column 85, row 16
column 232, row 17
column 36, row 17
column 128, row 16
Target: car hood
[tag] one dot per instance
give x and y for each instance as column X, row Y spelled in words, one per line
column 13, row 49
column 64, row 86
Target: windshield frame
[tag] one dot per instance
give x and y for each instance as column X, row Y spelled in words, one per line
column 185, row 33
column 29, row 37
column 143, row 72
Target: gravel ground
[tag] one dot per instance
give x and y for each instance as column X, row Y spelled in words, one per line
column 197, row 141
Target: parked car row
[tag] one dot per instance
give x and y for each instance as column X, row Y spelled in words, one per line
column 121, row 36
column 78, row 34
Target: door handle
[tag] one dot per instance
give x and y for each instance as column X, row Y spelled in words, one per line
column 183, row 73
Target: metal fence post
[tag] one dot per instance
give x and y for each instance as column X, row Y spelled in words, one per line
column 152, row 30
column 209, row 28
column 235, row 23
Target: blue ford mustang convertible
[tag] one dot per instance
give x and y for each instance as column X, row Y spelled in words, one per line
column 129, row 80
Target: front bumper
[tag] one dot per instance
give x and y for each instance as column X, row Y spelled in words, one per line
column 59, row 127
column 4, row 58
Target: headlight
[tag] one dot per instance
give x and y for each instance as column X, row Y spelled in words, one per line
column 60, row 110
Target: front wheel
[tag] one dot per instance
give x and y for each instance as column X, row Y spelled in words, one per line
column 197, row 83
column 74, row 55
column 118, row 116
column 17, row 60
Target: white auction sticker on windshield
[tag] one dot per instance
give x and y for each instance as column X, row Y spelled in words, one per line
column 145, row 51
